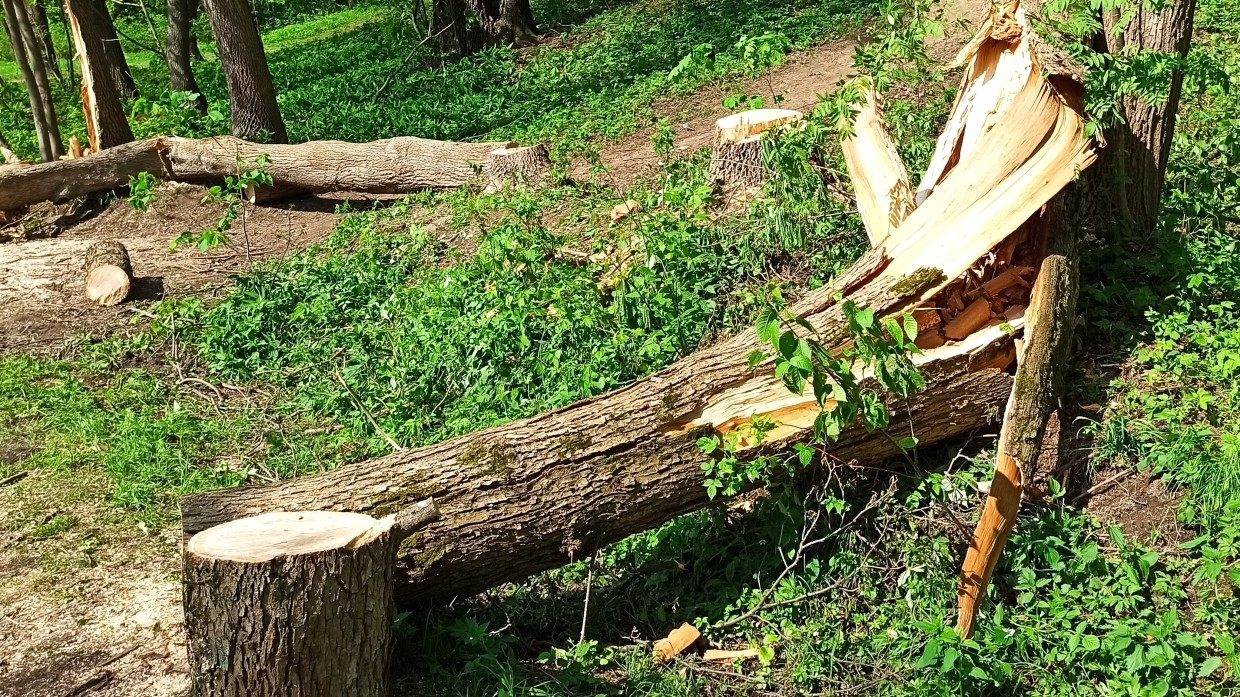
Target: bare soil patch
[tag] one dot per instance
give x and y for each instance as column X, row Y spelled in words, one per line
column 41, row 298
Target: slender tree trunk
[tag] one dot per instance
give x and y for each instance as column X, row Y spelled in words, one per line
column 1135, row 162
column 255, row 112
column 195, row 51
column 106, row 123
column 34, row 73
column 180, row 40
column 38, row 13
column 96, row 13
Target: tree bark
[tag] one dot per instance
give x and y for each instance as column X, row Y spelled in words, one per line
column 1134, row 163
column 109, row 274
column 255, row 112
column 181, row 15
column 737, row 156
column 34, row 73
column 517, row 166
column 106, row 122
column 393, row 166
column 507, row 22
column 96, row 14
column 38, row 13
column 450, row 30
column 293, row 604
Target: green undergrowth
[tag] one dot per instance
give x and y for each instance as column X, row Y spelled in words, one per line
column 362, row 73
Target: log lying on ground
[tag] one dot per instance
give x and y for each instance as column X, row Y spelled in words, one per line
column 537, row 493
column 294, row 604
column 108, row 273
column 737, row 157
column 392, row 166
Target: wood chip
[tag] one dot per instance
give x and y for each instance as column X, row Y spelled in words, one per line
column 624, row 210
column 680, row 639
column 969, row 321
column 721, row 655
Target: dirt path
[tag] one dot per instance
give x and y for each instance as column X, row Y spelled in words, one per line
column 799, row 81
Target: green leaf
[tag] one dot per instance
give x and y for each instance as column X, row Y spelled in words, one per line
column 1210, row 665
column 949, row 659
column 930, row 655
column 910, row 326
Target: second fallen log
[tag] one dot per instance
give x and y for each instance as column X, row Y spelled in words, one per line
column 109, row 273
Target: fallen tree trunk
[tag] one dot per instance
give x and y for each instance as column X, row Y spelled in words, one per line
column 537, row 493
column 392, row 166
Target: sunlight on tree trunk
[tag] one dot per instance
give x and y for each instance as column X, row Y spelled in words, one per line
column 255, row 112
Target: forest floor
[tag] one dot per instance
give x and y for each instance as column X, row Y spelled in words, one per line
column 108, row 415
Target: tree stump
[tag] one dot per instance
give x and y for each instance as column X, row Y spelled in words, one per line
column 737, row 157
column 294, row 604
column 108, row 273
column 521, row 166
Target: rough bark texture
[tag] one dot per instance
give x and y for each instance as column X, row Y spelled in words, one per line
column 181, row 15
column 303, row 625
column 97, row 14
column 506, row 21
column 450, row 30
column 739, row 163
column 535, row 494
column 518, row 166
column 393, row 166
column 34, row 73
column 38, row 15
column 1038, row 384
column 109, row 273
column 106, row 123
column 255, row 113
column 1134, row 162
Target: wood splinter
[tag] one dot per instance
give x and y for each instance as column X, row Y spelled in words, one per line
column 109, row 275
column 1039, row 373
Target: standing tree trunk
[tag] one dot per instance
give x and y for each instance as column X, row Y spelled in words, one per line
column 96, row 13
column 106, row 124
column 255, row 112
column 39, row 15
column 34, row 73
column 509, row 22
column 1135, row 162
column 180, row 43
column 450, row 30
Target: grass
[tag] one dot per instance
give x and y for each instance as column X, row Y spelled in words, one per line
column 447, row 313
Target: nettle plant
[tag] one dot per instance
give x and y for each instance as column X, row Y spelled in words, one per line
column 235, row 194
column 878, row 348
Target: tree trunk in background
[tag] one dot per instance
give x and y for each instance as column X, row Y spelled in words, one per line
column 96, row 12
column 106, row 123
column 1134, row 163
column 38, row 14
column 255, row 112
column 34, row 73
column 506, row 21
column 449, row 29
column 195, row 51
column 180, row 40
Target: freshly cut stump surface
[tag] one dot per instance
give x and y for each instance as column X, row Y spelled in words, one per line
column 737, row 157
column 109, row 275
column 291, row 604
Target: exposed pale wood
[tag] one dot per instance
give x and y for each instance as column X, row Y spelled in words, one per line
column 109, row 274
column 392, row 166
column 968, row 321
column 107, row 124
column 742, row 126
column 880, row 179
column 721, row 655
column 1039, row 377
column 676, row 642
column 293, row 604
column 737, row 157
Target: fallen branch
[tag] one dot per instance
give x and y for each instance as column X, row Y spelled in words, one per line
column 392, row 166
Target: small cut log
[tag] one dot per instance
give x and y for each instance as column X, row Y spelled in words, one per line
column 109, row 275
column 294, row 604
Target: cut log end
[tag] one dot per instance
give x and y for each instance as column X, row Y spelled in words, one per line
column 265, row 537
column 109, row 274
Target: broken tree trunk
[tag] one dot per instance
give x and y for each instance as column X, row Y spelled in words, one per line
column 880, row 179
column 519, row 166
column 534, row 494
column 108, row 273
column 392, row 166
column 294, row 604
column 737, row 157
column 106, row 123
column 1039, row 378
